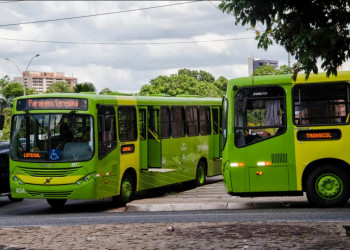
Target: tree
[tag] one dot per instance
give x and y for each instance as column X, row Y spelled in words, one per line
column 309, row 30
column 4, row 81
column 59, row 87
column 269, row 70
column 105, row 91
column 12, row 90
column 186, row 82
column 264, row 70
column 84, row 87
column 7, row 124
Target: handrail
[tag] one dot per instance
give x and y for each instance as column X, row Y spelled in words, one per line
column 149, row 130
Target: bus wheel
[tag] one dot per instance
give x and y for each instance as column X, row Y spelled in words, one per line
column 201, row 175
column 14, row 199
column 127, row 190
column 56, row 203
column 327, row 186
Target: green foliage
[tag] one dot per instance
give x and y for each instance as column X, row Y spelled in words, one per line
column 309, row 30
column 84, row 87
column 269, row 70
column 59, row 87
column 105, row 91
column 7, row 125
column 4, row 81
column 12, row 90
column 186, row 82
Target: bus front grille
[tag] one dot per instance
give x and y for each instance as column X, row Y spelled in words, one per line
column 38, row 194
column 43, row 172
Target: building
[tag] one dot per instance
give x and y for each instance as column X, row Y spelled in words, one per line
column 254, row 63
column 41, row 81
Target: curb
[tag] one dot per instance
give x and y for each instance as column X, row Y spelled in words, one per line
column 202, row 206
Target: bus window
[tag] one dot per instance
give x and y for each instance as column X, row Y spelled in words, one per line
column 178, row 121
column 192, row 121
column 259, row 114
column 127, row 124
column 204, row 121
column 106, row 130
column 320, row 104
column 165, row 122
column 216, row 121
column 52, row 137
column 142, row 118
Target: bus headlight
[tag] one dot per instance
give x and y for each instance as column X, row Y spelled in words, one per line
column 85, row 179
column 15, row 178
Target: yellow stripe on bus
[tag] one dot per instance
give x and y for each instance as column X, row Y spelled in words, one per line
column 50, row 180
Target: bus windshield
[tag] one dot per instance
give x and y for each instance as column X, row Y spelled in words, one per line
column 52, row 137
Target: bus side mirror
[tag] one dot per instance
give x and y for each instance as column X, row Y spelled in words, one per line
column 2, row 121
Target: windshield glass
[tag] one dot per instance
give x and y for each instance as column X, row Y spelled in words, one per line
column 52, row 137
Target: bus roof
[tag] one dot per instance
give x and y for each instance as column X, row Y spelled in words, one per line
column 287, row 79
column 131, row 100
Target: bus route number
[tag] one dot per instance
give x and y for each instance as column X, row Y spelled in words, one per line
column 20, row 190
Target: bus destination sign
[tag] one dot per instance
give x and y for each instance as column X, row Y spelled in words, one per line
column 52, row 103
column 319, row 134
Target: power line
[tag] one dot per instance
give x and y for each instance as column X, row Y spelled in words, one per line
column 127, row 43
column 100, row 14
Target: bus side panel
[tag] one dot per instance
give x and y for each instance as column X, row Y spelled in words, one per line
column 309, row 151
column 108, row 175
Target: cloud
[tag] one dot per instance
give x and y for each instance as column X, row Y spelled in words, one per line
column 127, row 67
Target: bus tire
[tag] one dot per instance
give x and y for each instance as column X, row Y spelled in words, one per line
column 56, row 203
column 14, row 199
column 127, row 190
column 328, row 186
column 201, row 174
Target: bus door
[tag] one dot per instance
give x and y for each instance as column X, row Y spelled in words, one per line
column 154, row 139
column 143, row 118
column 216, row 132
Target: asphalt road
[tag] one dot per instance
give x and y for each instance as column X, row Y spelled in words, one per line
column 27, row 213
column 90, row 212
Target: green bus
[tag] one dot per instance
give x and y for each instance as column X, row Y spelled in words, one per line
column 88, row 146
column 284, row 137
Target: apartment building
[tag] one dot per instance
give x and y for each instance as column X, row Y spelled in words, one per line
column 41, row 81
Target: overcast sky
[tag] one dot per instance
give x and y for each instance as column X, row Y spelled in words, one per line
column 145, row 41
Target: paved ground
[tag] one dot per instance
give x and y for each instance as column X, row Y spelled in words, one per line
column 186, row 235
column 211, row 196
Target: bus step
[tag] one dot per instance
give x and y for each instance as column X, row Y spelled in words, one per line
column 160, row 170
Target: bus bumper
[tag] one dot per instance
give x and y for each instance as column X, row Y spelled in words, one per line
column 79, row 190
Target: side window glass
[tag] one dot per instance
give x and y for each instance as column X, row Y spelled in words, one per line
column 204, row 121
column 318, row 104
column 165, row 118
column 127, row 124
column 216, row 122
column 153, row 123
column 259, row 114
column 192, row 121
column 107, row 140
column 178, row 121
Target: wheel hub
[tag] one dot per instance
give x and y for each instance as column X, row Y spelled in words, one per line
column 329, row 186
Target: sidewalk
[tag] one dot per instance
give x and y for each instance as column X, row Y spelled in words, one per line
column 208, row 197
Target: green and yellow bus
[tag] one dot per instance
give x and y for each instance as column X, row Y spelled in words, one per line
column 284, row 137
column 88, row 146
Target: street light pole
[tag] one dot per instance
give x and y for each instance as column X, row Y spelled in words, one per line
column 22, row 73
